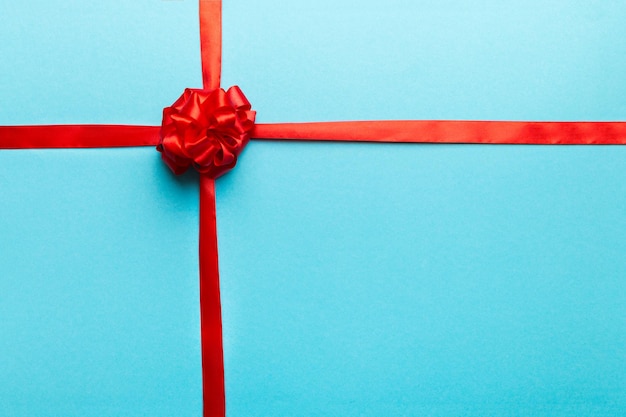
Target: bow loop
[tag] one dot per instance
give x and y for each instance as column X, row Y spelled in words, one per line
column 206, row 129
column 240, row 102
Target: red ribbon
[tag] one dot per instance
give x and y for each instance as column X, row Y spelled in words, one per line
column 214, row 396
column 77, row 136
column 208, row 128
column 448, row 131
column 407, row 131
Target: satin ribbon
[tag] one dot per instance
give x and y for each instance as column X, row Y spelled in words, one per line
column 444, row 131
column 77, row 136
column 214, row 396
column 436, row 131
column 91, row 136
column 206, row 129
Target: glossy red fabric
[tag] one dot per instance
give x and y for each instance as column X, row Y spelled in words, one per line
column 77, row 136
column 447, row 131
column 206, row 129
column 211, row 42
column 210, row 305
column 436, row 131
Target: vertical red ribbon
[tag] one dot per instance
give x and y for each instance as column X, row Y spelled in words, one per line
column 213, row 389
column 211, row 42
column 210, row 307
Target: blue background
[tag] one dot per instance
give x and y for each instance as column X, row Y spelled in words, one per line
column 358, row 279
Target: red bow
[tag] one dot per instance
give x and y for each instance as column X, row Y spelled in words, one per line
column 206, row 129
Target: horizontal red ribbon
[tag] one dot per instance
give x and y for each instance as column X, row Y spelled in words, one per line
column 450, row 131
column 77, row 136
column 437, row 131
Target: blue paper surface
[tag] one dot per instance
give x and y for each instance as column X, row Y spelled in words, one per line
column 357, row 279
